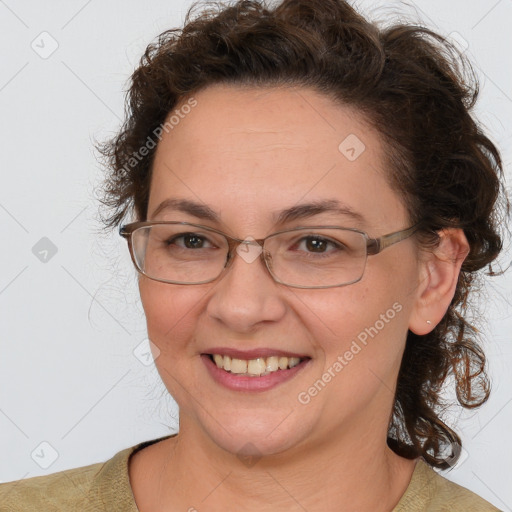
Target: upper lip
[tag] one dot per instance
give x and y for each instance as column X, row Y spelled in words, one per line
column 253, row 353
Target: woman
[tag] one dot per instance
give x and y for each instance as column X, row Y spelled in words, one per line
column 302, row 189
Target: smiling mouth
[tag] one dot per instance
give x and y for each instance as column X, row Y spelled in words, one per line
column 258, row 367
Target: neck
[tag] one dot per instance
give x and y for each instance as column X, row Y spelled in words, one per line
column 334, row 472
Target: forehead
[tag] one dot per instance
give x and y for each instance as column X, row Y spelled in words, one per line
column 249, row 152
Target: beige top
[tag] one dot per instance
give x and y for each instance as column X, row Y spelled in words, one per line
column 106, row 487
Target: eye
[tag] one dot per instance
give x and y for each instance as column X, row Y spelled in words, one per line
column 190, row 241
column 317, row 244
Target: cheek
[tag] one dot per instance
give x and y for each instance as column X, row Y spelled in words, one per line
column 337, row 318
column 172, row 318
column 171, row 312
column 365, row 325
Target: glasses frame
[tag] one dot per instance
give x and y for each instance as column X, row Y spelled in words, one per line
column 373, row 246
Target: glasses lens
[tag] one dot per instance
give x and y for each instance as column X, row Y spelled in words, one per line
column 317, row 257
column 308, row 257
column 179, row 253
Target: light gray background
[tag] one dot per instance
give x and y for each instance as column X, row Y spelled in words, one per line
column 69, row 325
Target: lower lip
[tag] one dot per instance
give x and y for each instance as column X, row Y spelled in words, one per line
column 244, row 383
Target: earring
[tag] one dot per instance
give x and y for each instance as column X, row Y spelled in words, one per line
column 429, row 322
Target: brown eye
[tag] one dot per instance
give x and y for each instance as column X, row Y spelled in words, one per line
column 317, row 244
column 189, row 241
column 193, row 241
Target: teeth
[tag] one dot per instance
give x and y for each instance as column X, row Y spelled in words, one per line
column 237, row 365
column 255, row 367
column 272, row 363
column 293, row 361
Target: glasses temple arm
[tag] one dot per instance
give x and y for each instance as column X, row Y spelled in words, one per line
column 376, row 245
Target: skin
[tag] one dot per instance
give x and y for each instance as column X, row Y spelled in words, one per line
column 247, row 153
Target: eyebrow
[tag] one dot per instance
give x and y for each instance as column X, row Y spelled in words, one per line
column 199, row 210
column 306, row 210
column 296, row 212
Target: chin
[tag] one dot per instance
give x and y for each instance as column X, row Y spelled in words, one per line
column 264, row 435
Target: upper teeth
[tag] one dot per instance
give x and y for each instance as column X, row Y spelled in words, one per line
column 255, row 367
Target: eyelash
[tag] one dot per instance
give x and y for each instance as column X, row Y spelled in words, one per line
column 304, row 239
column 172, row 240
column 335, row 245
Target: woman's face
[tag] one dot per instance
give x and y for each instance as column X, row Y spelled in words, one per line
column 248, row 154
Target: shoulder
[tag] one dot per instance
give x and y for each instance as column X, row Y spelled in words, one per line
column 104, row 486
column 428, row 491
column 47, row 492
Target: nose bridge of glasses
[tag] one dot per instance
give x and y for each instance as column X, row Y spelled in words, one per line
column 249, row 248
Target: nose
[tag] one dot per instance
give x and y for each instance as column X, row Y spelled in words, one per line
column 246, row 295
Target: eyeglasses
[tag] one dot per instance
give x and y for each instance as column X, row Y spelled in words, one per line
column 304, row 257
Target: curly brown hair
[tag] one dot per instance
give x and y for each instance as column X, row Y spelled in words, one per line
column 415, row 88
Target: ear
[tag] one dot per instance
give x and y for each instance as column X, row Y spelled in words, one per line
column 439, row 273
